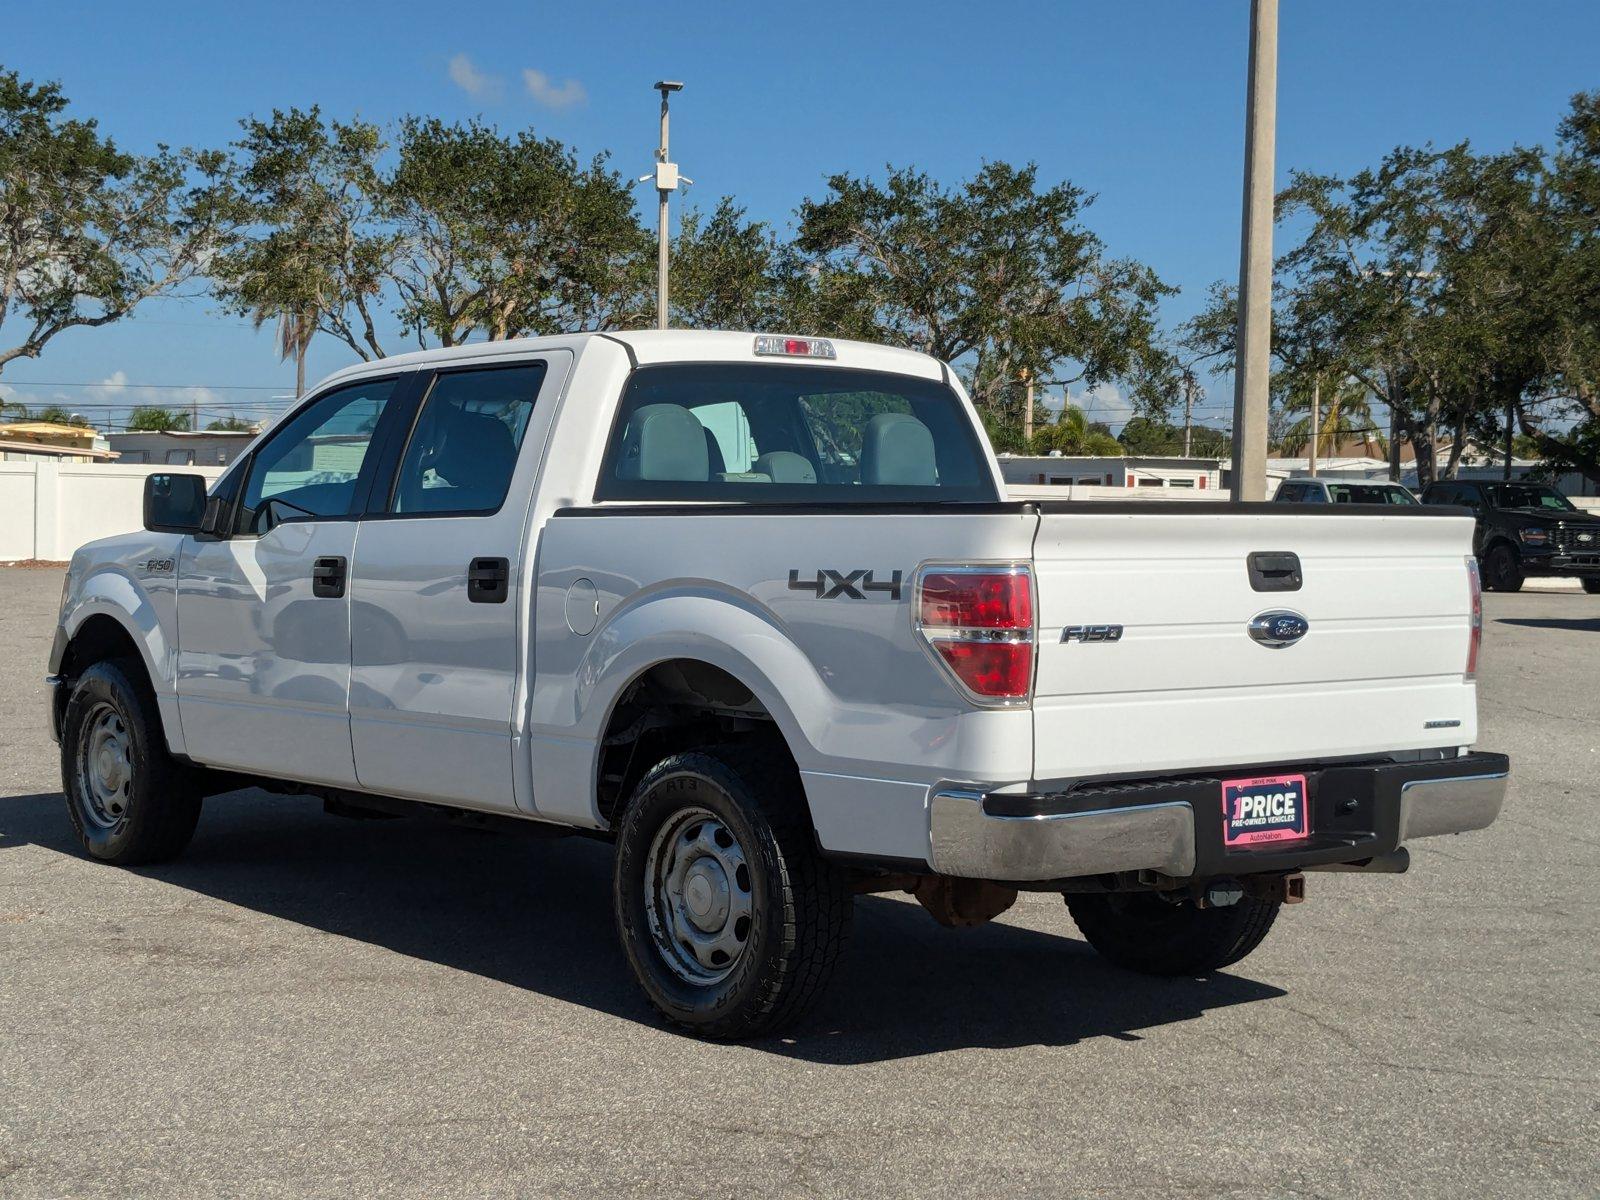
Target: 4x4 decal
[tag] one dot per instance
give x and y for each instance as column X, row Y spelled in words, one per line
column 852, row 585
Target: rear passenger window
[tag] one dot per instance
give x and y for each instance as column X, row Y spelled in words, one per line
column 789, row 432
column 463, row 448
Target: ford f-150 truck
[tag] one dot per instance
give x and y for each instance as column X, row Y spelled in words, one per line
column 755, row 609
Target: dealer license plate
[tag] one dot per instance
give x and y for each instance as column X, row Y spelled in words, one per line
column 1257, row 812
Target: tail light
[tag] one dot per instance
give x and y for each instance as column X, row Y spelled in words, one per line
column 1475, row 591
column 979, row 623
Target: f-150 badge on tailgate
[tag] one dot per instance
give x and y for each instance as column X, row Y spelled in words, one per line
column 852, row 585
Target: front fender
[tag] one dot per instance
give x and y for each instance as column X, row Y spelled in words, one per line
column 144, row 609
column 112, row 592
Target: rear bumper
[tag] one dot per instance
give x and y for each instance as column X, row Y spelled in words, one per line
column 1174, row 826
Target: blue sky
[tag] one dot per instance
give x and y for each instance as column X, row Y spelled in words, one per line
column 1140, row 103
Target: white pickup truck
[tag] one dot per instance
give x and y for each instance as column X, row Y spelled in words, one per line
column 755, row 608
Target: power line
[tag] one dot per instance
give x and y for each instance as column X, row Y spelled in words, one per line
column 170, row 387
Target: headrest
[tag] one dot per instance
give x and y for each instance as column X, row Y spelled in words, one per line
column 665, row 442
column 785, row 466
column 898, row 449
column 715, row 463
column 475, row 446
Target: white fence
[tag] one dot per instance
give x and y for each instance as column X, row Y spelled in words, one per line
column 48, row 510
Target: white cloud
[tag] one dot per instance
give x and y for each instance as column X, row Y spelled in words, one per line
column 543, row 89
column 465, row 75
column 1105, row 402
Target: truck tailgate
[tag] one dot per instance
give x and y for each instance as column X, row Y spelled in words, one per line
column 1385, row 597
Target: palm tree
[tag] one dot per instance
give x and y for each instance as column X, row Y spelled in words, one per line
column 296, row 328
column 1346, row 414
column 1070, row 433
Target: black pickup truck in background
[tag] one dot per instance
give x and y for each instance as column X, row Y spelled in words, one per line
column 1525, row 529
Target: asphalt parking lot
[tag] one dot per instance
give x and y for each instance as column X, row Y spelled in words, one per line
column 308, row 1006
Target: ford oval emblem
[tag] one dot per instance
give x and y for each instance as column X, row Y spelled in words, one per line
column 1276, row 630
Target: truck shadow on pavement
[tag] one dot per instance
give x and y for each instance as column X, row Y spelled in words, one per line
column 536, row 914
column 1577, row 624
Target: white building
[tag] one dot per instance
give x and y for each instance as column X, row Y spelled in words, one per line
column 1140, row 472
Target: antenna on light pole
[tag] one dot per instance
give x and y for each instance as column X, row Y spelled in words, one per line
column 666, row 179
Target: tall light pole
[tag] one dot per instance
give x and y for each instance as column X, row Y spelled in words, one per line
column 666, row 183
column 1252, row 372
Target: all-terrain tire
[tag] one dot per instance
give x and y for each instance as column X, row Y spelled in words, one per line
column 799, row 909
column 112, row 717
column 1145, row 933
column 1502, row 569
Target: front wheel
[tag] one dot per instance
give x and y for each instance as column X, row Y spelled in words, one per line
column 129, row 801
column 1592, row 586
column 1146, row 932
column 731, row 920
column 1502, row 570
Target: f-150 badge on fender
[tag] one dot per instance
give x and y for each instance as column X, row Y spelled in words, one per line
column 852, row 585
column 1092, row 633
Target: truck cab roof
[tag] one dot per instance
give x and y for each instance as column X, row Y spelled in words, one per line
column 651, row 346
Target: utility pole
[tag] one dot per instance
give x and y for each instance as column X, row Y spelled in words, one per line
column 1027, row 415
column 1254, row 339
column 1510, row 412
column 1316, row 420
column 666, row 177
column 1188, row 411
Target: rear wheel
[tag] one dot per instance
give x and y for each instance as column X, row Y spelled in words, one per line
column 1502, row 570
column 1592, row 586
column 731, row 920
column 129, row 801
column 1145, row 932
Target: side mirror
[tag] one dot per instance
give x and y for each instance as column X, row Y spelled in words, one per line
column 174, row 503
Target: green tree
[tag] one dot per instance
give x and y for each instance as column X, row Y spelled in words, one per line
column 54, row 414
column 1414, row 279
column 294, row 331
column 511, row 235
column 1072, row 433
column 1344, row 414
column 725, row 272
column 1561, row 412
column 996, row 274
column 1155, row 437
column 230, row 425
column 149, row 418
column 317, row 253
column 88, row 232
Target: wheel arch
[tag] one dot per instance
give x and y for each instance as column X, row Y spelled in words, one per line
column 678, row 702
column 110, row 617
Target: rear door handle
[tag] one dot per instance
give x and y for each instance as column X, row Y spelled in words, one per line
column 488, row 580
column 327, row 577
column 1274, row 571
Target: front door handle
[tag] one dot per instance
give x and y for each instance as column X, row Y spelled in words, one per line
column 327, row 577
column 488, row 580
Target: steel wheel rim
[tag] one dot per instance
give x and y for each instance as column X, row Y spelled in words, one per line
column 105, row 766
column 698, row 896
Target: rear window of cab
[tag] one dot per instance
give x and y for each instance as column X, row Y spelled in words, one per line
column 791, row 433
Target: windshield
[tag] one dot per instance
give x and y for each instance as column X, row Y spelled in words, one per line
column 1528, row 495
column 1369, row 493
column 791, row 433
